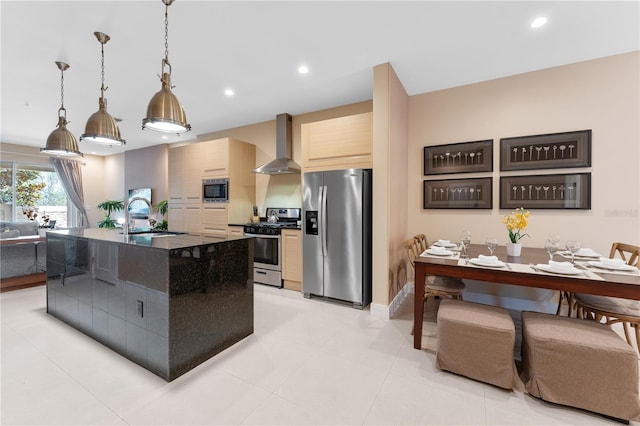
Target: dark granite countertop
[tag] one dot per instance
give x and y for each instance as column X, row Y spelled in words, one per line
column 158, row 241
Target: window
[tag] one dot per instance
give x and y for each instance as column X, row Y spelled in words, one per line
column 32, row 192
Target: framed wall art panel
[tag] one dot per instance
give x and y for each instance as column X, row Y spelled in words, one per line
column 551, row 151
column 466, row 157
column 563, row 191
column 458, row 194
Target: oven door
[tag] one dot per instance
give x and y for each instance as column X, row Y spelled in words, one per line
column 266, row 251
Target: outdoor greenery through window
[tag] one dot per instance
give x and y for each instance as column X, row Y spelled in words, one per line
column 31, row 192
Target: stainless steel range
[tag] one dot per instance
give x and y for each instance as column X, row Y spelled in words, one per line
column 267, row 258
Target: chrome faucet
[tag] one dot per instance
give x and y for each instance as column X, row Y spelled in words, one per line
column 125, row 225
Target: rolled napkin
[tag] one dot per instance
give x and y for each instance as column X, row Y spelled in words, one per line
column 612, row 263
column 560, row 266
column 444, row 242
column 437, row 249
column 487, row 259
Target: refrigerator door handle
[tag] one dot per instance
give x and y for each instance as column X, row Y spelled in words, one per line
column 323, row 219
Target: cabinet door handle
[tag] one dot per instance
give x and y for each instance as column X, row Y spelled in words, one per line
column 261, row 272
column 140, row 308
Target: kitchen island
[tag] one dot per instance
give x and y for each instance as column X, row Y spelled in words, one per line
column 166, row 302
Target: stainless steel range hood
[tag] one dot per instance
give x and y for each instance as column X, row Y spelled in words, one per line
column 283, row 164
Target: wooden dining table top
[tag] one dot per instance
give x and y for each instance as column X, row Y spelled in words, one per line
column 518, row 272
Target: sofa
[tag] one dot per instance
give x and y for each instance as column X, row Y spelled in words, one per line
column 19, row 257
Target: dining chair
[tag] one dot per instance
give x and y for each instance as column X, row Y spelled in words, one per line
column 614, row 310
column 434, row 286
column 422, row 242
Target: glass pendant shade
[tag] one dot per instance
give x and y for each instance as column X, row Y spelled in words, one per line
column 61, row 141
column 164, row 113
column 102, row 128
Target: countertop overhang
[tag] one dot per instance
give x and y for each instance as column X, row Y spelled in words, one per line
column 165, row 242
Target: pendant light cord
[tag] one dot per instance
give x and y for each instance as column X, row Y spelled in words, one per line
column 62, row 95
column 102, row 88
column 166, row 37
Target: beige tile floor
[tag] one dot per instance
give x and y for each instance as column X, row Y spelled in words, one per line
column 308, row 362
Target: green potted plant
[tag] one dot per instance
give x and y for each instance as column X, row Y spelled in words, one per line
column 161, row 208
column 109, row 206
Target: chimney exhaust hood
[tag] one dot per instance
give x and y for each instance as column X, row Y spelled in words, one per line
column 283, row 164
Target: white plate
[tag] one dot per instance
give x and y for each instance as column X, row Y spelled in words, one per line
column 438, row 253
column 547, row 268
column 450, row 245
column 586, row 252
column 583, row 255
column 478, row 262
column 622, row 267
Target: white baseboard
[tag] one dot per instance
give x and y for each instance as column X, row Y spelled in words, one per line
column 386, row 312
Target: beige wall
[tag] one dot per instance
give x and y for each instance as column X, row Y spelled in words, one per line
column 93, row 174
column 281, row 190
column 602, row 95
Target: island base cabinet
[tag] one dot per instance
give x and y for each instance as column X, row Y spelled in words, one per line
column 167, row 310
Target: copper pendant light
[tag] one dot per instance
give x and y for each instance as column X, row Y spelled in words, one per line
column 61, row 141
column 164, row 113
column 101, row 127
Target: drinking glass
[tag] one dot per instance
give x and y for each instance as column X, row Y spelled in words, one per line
column 551, row 246
column 492, row 243
column 573, row 246
column 465, row 240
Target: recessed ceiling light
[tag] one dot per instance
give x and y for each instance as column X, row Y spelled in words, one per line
column 165, row 137
column 303, row 69
column 229, row 92
column 538, row 22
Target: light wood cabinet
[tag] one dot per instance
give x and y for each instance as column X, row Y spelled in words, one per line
column 233, row 159
column 185, row 177
column 292, row 259
column 176, row 174
column 339, row 143
column 175, row 217
column 219, row 158
column 216, row 158
column 236, row 231
column 214, row 219
column 192, row 177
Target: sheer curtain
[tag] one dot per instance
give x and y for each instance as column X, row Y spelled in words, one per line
column 71, row 178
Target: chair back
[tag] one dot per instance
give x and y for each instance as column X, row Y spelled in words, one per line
column 422, row 242
column 628, row 252
column 411, row 251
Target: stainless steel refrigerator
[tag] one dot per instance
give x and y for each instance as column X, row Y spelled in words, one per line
column 337, row 234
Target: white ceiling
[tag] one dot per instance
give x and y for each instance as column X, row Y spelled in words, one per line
column 256, row 47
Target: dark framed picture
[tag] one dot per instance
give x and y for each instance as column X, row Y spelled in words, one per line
column 551, row 151
column 466, row 157
column 458, row 194
column 564, row 191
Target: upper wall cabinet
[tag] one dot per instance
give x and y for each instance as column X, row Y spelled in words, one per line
column 339, row 143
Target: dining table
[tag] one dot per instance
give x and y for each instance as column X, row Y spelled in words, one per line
column 519, row 271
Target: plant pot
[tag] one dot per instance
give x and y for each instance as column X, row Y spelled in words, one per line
column 514, row 249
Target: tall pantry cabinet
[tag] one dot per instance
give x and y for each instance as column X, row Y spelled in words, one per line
column 219, row 158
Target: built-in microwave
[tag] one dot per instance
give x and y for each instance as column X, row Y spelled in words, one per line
column 215, row 190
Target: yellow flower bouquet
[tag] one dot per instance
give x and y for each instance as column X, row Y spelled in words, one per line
column 515, row 223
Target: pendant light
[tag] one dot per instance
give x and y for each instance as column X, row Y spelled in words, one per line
column 164, row 113
column 101, row 127
column 61, row 141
